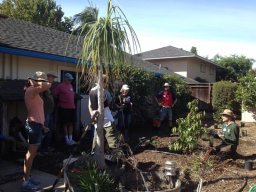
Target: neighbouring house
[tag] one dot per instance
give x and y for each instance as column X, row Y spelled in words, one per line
column 25, row 48
column 182, row 62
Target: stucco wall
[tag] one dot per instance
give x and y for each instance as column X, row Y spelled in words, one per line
column 176, row 65
column 194, row 70
column 20, row 67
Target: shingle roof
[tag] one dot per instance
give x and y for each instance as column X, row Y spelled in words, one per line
column 23, row 35
column 165, row 52
column 28, row 36
column 170, row 52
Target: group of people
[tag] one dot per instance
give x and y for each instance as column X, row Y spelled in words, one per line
column 40, row 103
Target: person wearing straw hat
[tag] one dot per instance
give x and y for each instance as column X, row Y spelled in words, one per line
column 34, row 126
column 166, row 99
column 230, row 133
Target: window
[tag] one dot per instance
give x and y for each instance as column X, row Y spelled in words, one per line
column 211, row 70
column 203, row 67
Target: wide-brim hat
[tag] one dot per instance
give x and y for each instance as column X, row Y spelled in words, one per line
column 52, row 74
column 228, row 112
column 39, row 76
column 166, row 85
column 68, row 76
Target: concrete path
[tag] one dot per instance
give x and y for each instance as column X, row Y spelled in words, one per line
column 14, row 170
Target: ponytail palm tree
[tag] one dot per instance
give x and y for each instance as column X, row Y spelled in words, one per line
column 107, row 43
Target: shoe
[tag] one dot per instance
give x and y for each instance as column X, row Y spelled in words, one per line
column 34, row 181
column 71, row 142
column 27, row 186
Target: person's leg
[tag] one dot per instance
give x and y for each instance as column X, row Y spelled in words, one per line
column 34, row 131
column 111, row 137
column 169, row 111
column 30, row 155
column 163, row 115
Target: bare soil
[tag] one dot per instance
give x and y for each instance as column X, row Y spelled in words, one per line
column 219, row 173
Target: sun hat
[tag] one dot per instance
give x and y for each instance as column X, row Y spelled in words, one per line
column 166, row 85
column 228, row 112
column 52, row 74
column 125, row 87
column 39, row 76
column 68, row 76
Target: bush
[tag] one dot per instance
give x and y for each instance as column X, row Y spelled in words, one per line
column 189, row 128
column 246, row 91
column 145, row 85
column 224, row 97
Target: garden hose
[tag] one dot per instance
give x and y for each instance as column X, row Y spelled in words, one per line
column 253, row 188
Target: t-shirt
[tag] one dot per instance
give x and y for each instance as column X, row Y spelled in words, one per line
column 34, row 105
column 166, row 98
column 66, row 96
column 231, row 133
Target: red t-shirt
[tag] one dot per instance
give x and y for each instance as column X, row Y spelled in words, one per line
column 167, row 99
column 65, row 94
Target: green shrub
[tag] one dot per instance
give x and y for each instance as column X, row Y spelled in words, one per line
column 189, row 128
column 90, row 178
column 246, row 91
column 224, row 97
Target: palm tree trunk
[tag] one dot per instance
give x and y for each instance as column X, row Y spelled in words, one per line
column 99, row 149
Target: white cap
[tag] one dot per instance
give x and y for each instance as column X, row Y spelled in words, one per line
column 125, row 87
column 166, row 85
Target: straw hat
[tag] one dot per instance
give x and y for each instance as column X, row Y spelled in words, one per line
column 228, row 112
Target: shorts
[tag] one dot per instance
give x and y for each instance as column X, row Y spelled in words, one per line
column 34, row 131
column 67, row 115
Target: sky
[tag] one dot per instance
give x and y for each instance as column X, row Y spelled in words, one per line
column 224, row 27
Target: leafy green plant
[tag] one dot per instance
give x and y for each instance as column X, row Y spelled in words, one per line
column 189, row 128
column 88, row 177
column 246, row 90
column 223, row 97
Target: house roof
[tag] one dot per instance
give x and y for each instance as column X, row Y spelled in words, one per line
column 25, row 38
column 23, row 35
column 170, row 52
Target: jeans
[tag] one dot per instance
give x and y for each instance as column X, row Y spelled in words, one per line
column 48, row 136
column 124, row 121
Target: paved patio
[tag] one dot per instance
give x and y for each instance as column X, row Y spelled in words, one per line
column 14, row 170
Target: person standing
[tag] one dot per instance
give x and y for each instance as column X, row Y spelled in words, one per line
column 230, row 133
column 66, row 105
column 109, row 130
column 166, row 100
column 49, row 106
column 124, row 103
column 34, row 124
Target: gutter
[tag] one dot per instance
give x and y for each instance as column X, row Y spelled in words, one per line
column 40, row 55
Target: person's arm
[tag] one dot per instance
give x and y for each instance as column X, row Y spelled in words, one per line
column 40, row 86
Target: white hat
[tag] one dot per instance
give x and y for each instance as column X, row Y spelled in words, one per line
column 166, row 85
column 125, row 87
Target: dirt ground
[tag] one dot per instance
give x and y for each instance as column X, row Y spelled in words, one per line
column 218, row 173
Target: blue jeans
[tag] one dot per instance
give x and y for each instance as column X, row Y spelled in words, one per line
column 166, row 112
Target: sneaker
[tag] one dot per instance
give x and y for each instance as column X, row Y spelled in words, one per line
column 27, row 186
column 72, row 142
column 34, row 181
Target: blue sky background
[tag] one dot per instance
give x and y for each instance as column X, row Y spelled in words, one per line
column 222, row 27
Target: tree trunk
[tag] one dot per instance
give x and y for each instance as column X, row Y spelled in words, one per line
column 99, row 149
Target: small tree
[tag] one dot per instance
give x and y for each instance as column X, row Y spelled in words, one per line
column 105, row 45
column 246, row 91
column 189, row 128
